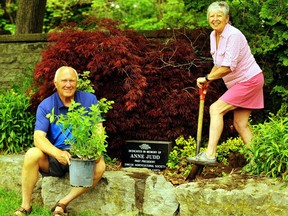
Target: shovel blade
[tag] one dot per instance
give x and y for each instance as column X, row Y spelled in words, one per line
column 196, row 170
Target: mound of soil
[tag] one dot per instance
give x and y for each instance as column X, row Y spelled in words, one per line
column 235, row 164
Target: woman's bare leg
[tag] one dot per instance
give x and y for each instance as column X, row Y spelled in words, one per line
column 217, row 111
column 241, row 124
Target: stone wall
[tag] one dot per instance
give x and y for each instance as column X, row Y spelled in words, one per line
column 133, row 191
column 17, row 53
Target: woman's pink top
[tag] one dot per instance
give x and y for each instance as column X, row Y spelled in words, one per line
column 234, row 52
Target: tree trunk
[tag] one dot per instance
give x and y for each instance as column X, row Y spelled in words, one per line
column 30, row 15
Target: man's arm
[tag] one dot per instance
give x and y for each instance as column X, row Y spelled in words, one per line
column 41, row 142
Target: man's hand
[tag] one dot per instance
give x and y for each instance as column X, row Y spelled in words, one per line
column 64, row 157
column 41, row 142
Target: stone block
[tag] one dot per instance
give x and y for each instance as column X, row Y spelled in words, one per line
column 231, row 196
column 10, row 171
column 126, row 192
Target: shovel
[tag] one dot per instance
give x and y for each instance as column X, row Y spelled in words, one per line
column 197, row 168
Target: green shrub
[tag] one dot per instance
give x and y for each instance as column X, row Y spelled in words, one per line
column 177, row 162
column 268, row 152
column 84, row 83
column 231, row 145
column 177, row 158
column 17, row 123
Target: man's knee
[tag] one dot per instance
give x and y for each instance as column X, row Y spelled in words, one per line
column 100, row 168
column 33, row 155
column 33, row 152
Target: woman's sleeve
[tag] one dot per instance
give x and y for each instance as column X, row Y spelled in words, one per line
column 233, row 49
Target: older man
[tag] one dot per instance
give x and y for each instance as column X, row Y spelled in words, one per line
column 50, row 156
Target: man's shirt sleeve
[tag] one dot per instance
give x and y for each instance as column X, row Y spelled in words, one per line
column 42, row 122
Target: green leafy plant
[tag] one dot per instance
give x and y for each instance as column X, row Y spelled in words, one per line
column 145, row 14
column 16, row 127
column 268, row 152
column 184, row 148
column 84, row 83
column 231, row 145
column 59, row 11
column 88, row 139
column 180, row 151
column 177, row 158
column 8, row 11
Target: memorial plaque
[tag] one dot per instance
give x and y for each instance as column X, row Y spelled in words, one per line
column 146, row 154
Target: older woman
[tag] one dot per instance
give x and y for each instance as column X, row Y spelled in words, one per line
column 235, row 64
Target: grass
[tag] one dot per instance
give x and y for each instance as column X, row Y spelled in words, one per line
column 10, row 200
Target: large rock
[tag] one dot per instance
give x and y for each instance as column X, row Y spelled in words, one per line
column 10, row 171
column 130, row 191
column 159, row 197
column 10, row 175
column 232, row 195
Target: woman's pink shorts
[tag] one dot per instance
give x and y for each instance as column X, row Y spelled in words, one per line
column 247, row 94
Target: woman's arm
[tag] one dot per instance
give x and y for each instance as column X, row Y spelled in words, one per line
column 215, row 73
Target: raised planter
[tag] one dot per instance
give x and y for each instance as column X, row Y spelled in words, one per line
column 134, row 191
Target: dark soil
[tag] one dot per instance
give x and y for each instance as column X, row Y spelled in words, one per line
column 235, row 164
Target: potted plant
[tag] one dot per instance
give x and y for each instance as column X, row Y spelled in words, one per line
column 88, row 137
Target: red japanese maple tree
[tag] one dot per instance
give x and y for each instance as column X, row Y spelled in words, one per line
column 152, row 82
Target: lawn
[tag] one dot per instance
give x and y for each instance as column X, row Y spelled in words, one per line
column 10, row 200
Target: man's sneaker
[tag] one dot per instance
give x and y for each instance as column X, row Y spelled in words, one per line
column 202, row 159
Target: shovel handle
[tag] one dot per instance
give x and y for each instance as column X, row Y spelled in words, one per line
column 197, row 168
column 202, row 93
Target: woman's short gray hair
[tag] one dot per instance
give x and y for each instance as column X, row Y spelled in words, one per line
column 218, row 6
column 63, row 68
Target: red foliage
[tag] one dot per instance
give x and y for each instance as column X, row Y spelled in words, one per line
column 152, row 83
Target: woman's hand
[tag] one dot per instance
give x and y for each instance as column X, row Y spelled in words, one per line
column 202, row 82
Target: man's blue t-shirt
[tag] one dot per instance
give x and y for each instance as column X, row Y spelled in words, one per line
column 53, row 131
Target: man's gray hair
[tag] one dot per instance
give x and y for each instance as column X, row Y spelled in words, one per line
column 63, row 68
column 218, row 6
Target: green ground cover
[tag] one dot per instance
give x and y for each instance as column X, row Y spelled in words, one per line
column 10, row 200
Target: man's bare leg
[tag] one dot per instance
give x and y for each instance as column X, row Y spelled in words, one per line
column 34, row 160
column 77, row 191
